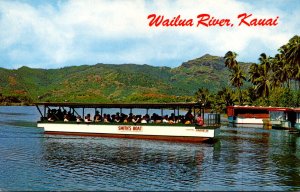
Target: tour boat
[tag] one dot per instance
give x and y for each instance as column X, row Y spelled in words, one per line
column 253, row 116
column 175, row 131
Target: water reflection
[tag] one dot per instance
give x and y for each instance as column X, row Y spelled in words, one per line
column 141, row 162
column 298, row 147
column 248, row 158
column 288, row 161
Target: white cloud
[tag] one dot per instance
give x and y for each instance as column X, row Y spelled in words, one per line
column 81, row 32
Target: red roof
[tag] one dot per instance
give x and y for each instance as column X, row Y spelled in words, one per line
column 296, row 109
column 261, row 108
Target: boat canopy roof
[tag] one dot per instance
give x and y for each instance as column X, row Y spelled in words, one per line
column 121, row 105
column 297, row 110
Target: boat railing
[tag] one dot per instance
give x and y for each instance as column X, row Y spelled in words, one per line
column 212, row 119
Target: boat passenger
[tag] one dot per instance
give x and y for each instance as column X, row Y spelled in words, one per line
column 147, row 117
column 108, row 118
column 97, row 117
column 105, row 119
column 117, row 119
column 125, row 120
column 78, row 119
column 66, row 118
column 71, row 116
column 172, row 118
column 87, row 118
column 178, row 119
column 165, row 119
column 59, row 114
column 54, row 114
column 200, row 120
column 122, row 117
column 189, row 116
column 153, row 118
column 158, row 119
column 113, row 117
column 51, row 118
column 144, row 120
column 135, row 119
column 49, row 114
column 171, row 121
column 187, row 122
column 130, row 117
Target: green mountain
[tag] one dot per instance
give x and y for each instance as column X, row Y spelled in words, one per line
column 115, row 83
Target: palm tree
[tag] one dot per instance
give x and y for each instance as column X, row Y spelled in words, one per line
column 292, row 56
column 263, row 81
column 283, row 69
column 237, row 79
column 293, row 50
column 265, row 60
column 278, row 76
column 222, row 99
column 226, row 96
column 296, row 75
column 254, row 73
column 230, row 59
column 251, row 94
column 202, row 96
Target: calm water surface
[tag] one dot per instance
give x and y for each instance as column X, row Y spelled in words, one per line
column 242, row 159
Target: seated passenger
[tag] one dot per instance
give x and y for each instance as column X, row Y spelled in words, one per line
column 78, row 119
column 49, row 114
column 108, row 118
column 66, row 118
column 171, row 121
column 117, row 118
column 187, row 122
column 51, row 118
column 105, row 119
column 189, row 116
column 165, row 119
column 87, row 118
column 130, row 117
column 135, row 119
column 123, row 117
column 147, row 118
column 59, row 115
column 200, row 120
column 97, row 117
column 178, row 120
column 144, row 120
column 158, row 119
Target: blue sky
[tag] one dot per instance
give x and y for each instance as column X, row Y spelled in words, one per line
column 54, row 34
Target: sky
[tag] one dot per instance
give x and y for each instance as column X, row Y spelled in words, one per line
column 59, row 33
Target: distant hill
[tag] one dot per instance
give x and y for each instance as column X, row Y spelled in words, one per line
column 113, row 83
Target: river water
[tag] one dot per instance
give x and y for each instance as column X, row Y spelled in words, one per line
column 241, row 159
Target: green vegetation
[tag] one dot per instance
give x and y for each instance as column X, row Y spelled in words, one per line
column 274, row 81
column 115, row 83
column 215, row 81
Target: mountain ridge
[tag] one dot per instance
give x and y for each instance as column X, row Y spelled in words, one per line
column 123, row 82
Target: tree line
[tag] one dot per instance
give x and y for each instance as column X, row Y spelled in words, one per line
column 274, row 81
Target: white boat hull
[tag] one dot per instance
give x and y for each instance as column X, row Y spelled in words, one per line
column 249, row 121
column 159, row 132
column 246, row 122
